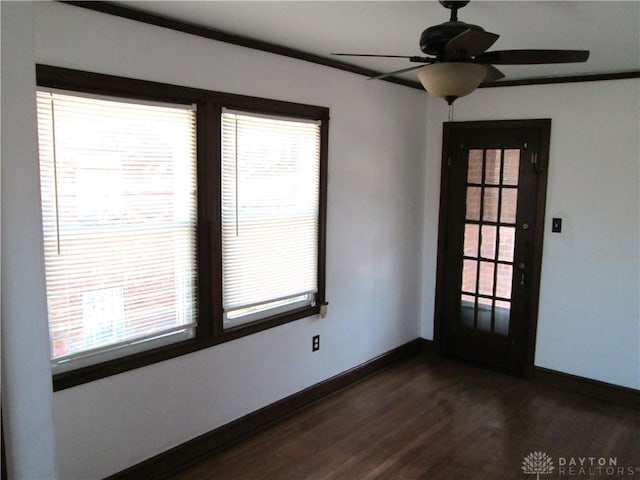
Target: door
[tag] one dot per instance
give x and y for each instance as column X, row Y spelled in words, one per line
column 490, row 241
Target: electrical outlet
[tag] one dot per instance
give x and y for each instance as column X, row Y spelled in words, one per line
column 315, row 343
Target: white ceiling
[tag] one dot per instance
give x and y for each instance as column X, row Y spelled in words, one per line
column 610, row 30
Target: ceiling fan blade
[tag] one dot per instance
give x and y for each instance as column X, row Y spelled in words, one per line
column 470, row 43
column 493, row 74
column 412, row 58
column 532, row 57
column 385, row 75
column 370, row 55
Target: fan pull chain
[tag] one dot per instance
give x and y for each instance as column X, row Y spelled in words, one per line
column 451, row 112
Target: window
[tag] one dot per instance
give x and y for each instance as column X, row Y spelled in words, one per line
column 173, row 218
column 270, row 191
column 118, row 189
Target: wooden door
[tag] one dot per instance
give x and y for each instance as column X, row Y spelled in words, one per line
column 490, row 241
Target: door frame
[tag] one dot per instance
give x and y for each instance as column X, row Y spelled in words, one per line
column 544, row 127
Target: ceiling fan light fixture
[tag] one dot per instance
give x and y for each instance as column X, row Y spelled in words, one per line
column 451, row 80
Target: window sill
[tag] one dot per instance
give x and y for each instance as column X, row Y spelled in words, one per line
column 90, row 373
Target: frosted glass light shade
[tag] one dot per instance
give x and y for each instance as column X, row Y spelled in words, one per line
column 451, row 79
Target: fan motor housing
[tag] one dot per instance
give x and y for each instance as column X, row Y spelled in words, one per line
column 453, row 4
column 434, row 39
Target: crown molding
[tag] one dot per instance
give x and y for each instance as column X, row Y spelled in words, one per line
column 256, row 44
column 221, row 36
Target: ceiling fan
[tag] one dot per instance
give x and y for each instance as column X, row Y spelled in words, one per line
column 458, row 59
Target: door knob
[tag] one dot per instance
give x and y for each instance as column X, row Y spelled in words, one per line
column 522, row 266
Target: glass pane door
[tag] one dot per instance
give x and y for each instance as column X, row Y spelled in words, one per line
column 489, row 240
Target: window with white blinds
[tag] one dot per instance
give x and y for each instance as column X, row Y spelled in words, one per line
column 270, row 215
column 118, row 186
column 174, row 218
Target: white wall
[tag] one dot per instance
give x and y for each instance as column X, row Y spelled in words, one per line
column 26, row 379
column 589, row 317
column 376, row 163
column 382, row 224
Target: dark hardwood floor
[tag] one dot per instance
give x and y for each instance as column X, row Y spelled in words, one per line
column 434, row 418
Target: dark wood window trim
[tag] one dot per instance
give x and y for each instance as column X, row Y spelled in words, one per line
column 209, row 106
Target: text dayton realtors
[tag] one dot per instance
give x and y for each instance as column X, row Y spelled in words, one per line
column 592, row 466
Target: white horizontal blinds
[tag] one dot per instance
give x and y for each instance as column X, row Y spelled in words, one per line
column 118, row 182
column 270, row 201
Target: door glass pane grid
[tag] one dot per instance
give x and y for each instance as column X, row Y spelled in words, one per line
column 474, row 196
column 489, row 239
column 471, row 243
column 475, row 167
column 493, row 167
column 508, row 204
column 511, row 168
column 470, row 276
